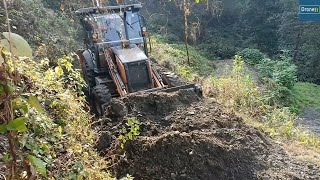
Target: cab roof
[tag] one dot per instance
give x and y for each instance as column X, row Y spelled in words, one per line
column 115, row 9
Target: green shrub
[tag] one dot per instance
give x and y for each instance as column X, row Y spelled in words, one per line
column 283, row 121
column 252, row 56
column 266, row 67
column 275, row 94
column 285, row 73
column 281, row 72
column 220, row 50
column 237, row 90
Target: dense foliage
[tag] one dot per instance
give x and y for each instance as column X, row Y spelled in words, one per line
column 51, row 31
column 44, row 116
column 270, row 26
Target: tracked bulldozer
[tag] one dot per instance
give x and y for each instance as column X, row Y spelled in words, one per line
column 115, row 61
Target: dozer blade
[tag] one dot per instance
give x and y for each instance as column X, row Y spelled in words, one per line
column 192, row 87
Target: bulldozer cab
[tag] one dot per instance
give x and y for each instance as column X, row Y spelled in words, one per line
column 115, row 37
column 111, row 26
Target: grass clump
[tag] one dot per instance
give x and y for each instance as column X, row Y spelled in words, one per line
column 174, row 57
column 307, row 95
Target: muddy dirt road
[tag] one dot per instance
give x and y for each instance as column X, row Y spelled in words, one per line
column 183, row 137
column 311, row 120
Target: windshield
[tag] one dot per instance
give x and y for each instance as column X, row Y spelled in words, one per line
column 110, row 28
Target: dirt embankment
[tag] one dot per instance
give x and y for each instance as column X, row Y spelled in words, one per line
column 183, row 137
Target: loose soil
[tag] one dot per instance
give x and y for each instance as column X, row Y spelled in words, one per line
column 184, row 137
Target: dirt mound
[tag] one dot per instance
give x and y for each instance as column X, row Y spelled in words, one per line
column 150, row 110
column 187, row 156
column 159, row 103
column 184, row 138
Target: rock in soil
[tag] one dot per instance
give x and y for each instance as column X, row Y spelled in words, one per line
column 183, row 137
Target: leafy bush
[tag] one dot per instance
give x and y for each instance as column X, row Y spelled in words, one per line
column 252, row 56
column 281, row 72
column 285, row 73
column 278, row 78
column 282, row 120
column 220, row 50
column 275, row 94
column 266, row 67
column 55, row 122
column 238, row 91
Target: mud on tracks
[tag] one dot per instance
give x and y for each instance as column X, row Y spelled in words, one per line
column 183, row 137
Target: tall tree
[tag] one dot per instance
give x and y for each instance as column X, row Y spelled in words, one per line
column 187, row 7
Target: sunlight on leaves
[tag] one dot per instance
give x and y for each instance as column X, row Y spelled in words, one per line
column 59, row 71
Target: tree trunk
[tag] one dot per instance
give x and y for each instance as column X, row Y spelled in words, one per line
column 297, row 46
column 185, row 14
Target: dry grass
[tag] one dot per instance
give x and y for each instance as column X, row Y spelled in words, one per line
column 302, row 152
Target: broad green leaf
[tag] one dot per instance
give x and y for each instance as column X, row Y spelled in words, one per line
column 3, row 128
column 19, row 46
column 17, row 124
column 33, row 101
column 38, row 164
